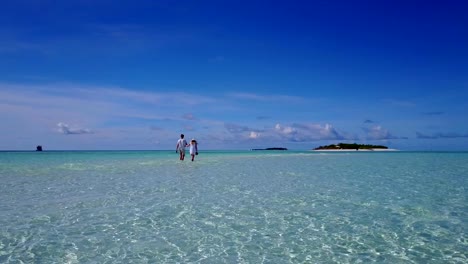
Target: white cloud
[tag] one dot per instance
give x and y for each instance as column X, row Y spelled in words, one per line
column 254, row 135
column 378, row 133
column 67, row 130
column 285, row 130
column 287, row 133
column 440, row 135
column 94, row 105
column 234, row 128
column 309, row 132
column 299, row 132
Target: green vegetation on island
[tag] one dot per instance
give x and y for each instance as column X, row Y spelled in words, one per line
column 271, row 149
column 350, row 146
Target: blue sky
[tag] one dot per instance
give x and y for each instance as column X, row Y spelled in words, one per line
column 233, row 74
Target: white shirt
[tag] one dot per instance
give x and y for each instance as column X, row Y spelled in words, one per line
column 181, row 144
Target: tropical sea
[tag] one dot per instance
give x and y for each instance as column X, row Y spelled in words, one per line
column 233, row 207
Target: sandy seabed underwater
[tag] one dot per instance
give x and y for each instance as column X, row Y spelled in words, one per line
column 233, row 207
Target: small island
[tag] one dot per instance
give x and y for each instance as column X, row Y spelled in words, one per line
column 352, row 146
column 271, row 149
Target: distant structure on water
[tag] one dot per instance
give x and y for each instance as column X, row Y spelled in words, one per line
column 39, row 148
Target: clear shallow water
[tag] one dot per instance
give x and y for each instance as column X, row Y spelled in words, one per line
column 233, row 207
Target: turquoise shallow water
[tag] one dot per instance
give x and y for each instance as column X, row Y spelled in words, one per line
column 233, row 207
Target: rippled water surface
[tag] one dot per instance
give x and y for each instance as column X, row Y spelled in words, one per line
column 233, row 207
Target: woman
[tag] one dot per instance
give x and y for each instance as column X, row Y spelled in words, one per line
column 193, row 148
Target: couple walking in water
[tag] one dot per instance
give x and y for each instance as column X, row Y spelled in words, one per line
column 182, row 144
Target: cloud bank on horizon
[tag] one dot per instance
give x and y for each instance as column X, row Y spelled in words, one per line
column 233, row 76
column 64, row 116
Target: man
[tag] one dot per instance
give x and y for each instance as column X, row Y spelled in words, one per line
column 180, row 147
